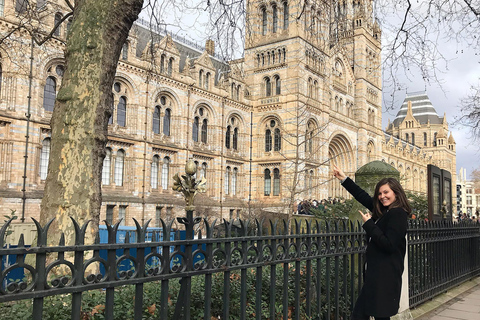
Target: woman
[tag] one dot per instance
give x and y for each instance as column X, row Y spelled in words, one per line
column 386, row 228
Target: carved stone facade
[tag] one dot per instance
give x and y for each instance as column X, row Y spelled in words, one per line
column 264, row 130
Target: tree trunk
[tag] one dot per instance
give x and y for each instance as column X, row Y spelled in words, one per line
column 82, row 109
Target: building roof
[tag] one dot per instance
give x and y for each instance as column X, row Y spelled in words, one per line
column 422, row 109
column 188, row 50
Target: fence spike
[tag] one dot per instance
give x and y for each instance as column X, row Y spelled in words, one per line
column 21, row 241
column 80, row 232
column 3, row 230
column 42, row 232
column 61, row 242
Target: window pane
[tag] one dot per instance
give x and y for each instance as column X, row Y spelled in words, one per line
column 58, row 17
column 278, row 140
column 154, row 173
column 276, row 182
column 268, row 182
column 119, row 168
column 166, row 123
column 165, row 169
column 268, row 140
column 122, row 111
column 204, row 130
column 275, row 19
column 156, row 120
column 235, row 139
column 109, row 216
column 264, row 22
column 122, row 214
column 107, row 161
column 195, row 129
column 49, row 94
column 44, row 157
column 227, row 181
column 227, row 138
column 234, row 181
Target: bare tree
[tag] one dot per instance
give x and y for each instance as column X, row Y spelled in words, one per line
column 413, row 36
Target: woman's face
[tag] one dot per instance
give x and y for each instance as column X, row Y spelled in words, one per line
column 386, row 196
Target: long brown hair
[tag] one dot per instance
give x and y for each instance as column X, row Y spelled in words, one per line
column 401, row 200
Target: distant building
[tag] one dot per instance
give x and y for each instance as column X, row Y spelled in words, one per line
column 468, row 198
column 420, row 137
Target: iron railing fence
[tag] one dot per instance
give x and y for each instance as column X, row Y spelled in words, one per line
column 441, row 255
column 238, row 270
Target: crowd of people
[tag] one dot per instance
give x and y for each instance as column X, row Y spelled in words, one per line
column 465, row 217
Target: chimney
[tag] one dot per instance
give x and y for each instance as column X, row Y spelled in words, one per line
column 210, row 47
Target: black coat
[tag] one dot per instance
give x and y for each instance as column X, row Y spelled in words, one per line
column 385, row 256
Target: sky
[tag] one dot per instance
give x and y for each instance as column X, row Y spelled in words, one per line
column 456, row 78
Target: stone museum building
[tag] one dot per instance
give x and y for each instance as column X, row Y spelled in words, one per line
column 264, row 130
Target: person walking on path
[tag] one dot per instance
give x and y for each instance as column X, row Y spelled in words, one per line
column 386, row 228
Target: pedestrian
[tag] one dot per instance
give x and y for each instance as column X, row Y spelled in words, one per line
column 386, row 228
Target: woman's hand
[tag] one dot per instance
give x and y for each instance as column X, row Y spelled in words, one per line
column 365, row 217
column 338, row 173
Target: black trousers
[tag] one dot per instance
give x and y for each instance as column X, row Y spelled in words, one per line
column 359, row 311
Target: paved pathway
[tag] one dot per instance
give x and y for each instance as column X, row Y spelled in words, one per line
column 464, row 307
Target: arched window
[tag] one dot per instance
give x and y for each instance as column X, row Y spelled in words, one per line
column 200, row 125
column 195, row 129
column 278, row 140
column 154, row 172
column 315, row 89
column 69, row 24
column 122, row 111
column 267, row 182
column 107, row 163
column 170, row 66
column 44, row 157
column 227, row 137
column 268, row 87
column 125, row 51
column 435, row 139
column 234, row 181
column 49, row 94
column 200, row 78
column 425, row 139
column 207, row 80
column 156, row 120
column 268, row 140
column 276, row 182
column 275, row 19
column 406, row 137
column 413, row 138
column 233, row 91
column 119, row 160
column 309, row 87
column 204, row 130
column 166, row 122
column 162, row 63
column 237, row 93
column 278, row 85
column 58, row 18
column 235, row 139
column 264, row 21
column 227, row 180
column 165, row 172
column 285, row 15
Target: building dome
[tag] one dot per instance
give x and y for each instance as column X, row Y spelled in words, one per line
column 422, row 109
